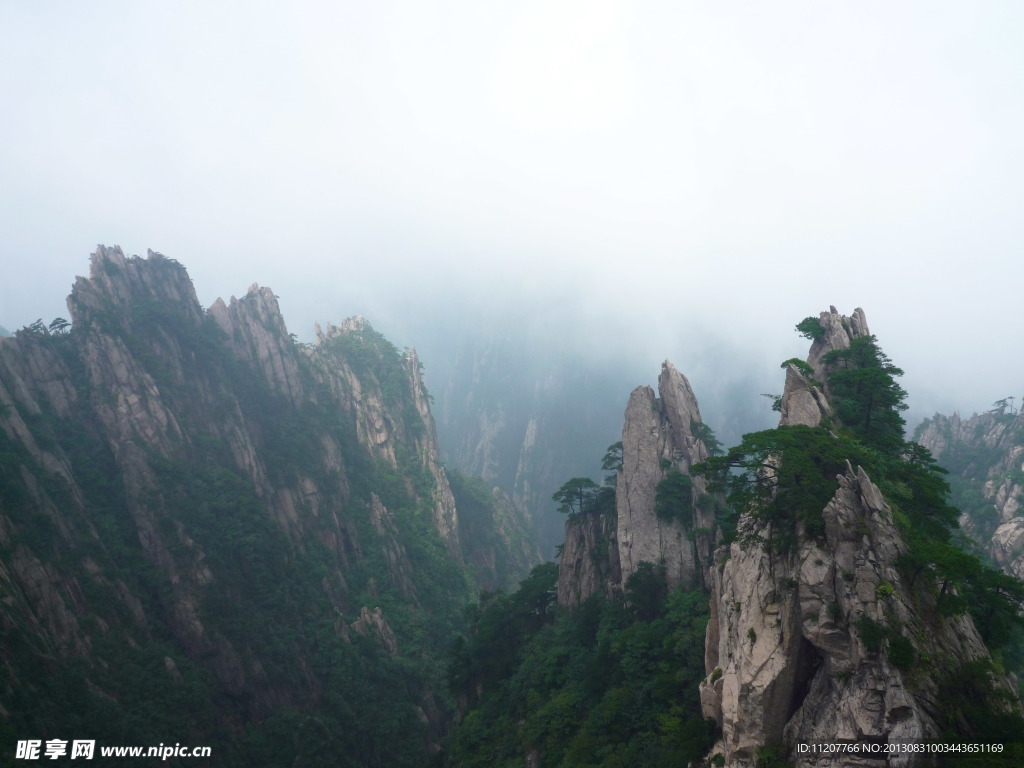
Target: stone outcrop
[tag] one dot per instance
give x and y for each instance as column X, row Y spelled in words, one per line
column 1008, row 547
column 398, row 566
column 658, row 436
column 589, row 563
column 803, row 402
column 826, row 641
column 805, row 399
column 785, row 660
column 256, row 331
column 838, row 332
column 599, row 554
column 374, row 626
column 446, row 519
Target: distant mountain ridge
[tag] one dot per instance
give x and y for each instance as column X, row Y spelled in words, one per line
column 985, row 457
column 210, row 533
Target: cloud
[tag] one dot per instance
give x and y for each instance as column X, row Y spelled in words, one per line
column 632, row 178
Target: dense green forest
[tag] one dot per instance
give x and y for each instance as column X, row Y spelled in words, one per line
column 610, row 683
column 199, row 546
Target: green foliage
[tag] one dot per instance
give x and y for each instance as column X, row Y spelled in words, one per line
column 576, row 496
column 835, row 612
column 612, row 461
column 1005, row 403
column 901, row 651
column 995, row 601
column 500, row 626
column 806, row 370
column 370, row 354
column 673, row 498
column 871, row 633
column 646, row 590
column 810, row 328
column 59, row 326
column 704, row 433
column 605, row 684
column 772, row 756
column 866, row 396
column 778, row 478
column 970, row 704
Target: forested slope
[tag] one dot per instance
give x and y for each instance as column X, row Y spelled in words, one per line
column 211, row 534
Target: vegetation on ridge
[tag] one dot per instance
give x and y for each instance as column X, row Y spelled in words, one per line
column 208, row 600
column 609, row 683
column 781, row 479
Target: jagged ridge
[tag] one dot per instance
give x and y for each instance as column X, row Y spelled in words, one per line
column 202, row 496
column 794, row 650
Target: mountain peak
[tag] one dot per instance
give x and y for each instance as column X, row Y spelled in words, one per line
column 805, row 399
column 118, row 285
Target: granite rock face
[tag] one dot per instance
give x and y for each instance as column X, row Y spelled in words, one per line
column 589, row 564
column 790, row 655
column 786, row 662
column 986, row 453
column 157, row 434
column 838, row 332
column 373, row 625
column 657, row 437
column 805, row 400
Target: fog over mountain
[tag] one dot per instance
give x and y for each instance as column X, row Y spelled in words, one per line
column 622, row 182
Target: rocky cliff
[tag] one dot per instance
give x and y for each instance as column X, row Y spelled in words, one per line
column 658, row 437
column 824, row 639
column 191, row 499
column 525, row 414
column 985, row 456
column 660, row 441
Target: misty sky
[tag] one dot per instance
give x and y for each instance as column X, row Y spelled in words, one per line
column 639, row 180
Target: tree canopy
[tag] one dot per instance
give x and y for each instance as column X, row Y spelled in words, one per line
column 867, row 398
column 576, row 496
column 778, row 477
